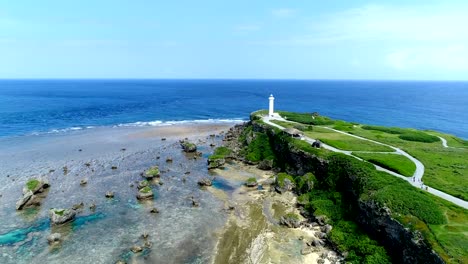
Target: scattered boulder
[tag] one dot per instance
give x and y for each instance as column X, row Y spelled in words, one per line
column 205, row 182
column 214, row 163
column 145, row 235
column 30, row 191
column 154, row 210
column 326, row 229
column 92, row 206
column 169, row 159
column 284, row 183
column 61, row 216
column 290, row 220
column 188, row 146
column 152, row 172
column 54, row 238
column 136, row 249
column 321, row 219
column 142, row 184
column 265, row 165
column 78, row 206
column 317, row 243
column 317, row 144
column 36, row 186
column 83, row 182
column 251, row 182
column 145, row 193
column 163, row 139
column 109, row 194
column 114, row 167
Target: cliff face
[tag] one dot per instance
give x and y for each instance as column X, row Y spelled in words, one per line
column 404, row 245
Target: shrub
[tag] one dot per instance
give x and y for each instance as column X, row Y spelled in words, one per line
column 390, row 130
column 419, row 136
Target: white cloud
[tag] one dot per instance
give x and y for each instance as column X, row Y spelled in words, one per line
column 372, row 22
column 452, row 57
column 283, row 12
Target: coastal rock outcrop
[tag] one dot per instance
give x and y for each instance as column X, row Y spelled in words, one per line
column 145, row 193
column 61, row 216
column 188, row 146
column 54, row 238
column 214, row 163
column 205, row 182
column 290, row 220
column 152, row 172
column 31, row 193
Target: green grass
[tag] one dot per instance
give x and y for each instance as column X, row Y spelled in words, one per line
column 291, row 216
column 405, row 133
column 345, row 142
column 397, row 163
column 32, row 184
column 251, row 180
column 445, row 168
column 283, row 176
column 306, row 118
column 145, row 189
column 220, row 153
column 443, row 225
column 59, row 211
column 153, row 171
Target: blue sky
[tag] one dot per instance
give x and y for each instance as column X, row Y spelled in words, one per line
column 395, row 40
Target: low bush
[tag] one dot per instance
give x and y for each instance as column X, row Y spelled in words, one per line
column 419, row 136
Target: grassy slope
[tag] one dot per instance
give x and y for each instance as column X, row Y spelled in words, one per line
column 397, row 163
column 445, row 168
column 449, row 239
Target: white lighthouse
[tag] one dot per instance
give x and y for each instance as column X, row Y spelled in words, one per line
column 271, row 108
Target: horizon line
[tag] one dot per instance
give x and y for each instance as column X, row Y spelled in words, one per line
column 223, row 79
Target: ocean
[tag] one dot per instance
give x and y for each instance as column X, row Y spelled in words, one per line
column 30, row 107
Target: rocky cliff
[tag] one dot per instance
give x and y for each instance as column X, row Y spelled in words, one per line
column 403, row 244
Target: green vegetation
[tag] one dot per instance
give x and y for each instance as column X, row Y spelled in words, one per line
column 419, row 137
column 292, row 216
column 153, row 171
column 220, row 153
column 258, row 146
column 348, row 182
column 444, row 167
column 306, row 118
column 32, row 184
column 394, row 162
column 251, row 180
column 59, row 211
column 145, row 189
column 281, row 177
column 405, row 134
column 344, row 142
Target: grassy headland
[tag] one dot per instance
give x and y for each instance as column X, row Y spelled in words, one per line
column 347, row 184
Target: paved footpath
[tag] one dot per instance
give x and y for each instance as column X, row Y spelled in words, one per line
column 415, row 180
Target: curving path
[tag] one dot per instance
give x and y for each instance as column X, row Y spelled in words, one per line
column 415, row 180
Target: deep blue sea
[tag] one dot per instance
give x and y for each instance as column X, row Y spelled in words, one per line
column 56, row 106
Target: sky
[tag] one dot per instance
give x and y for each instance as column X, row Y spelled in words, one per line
column 242, row 39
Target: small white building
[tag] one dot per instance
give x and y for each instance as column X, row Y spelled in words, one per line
column 271, row 107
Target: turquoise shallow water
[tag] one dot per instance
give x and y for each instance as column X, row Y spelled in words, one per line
column 55, row 106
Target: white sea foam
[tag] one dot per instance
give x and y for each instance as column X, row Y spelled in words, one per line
column 154, row 123
column 171, row 123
